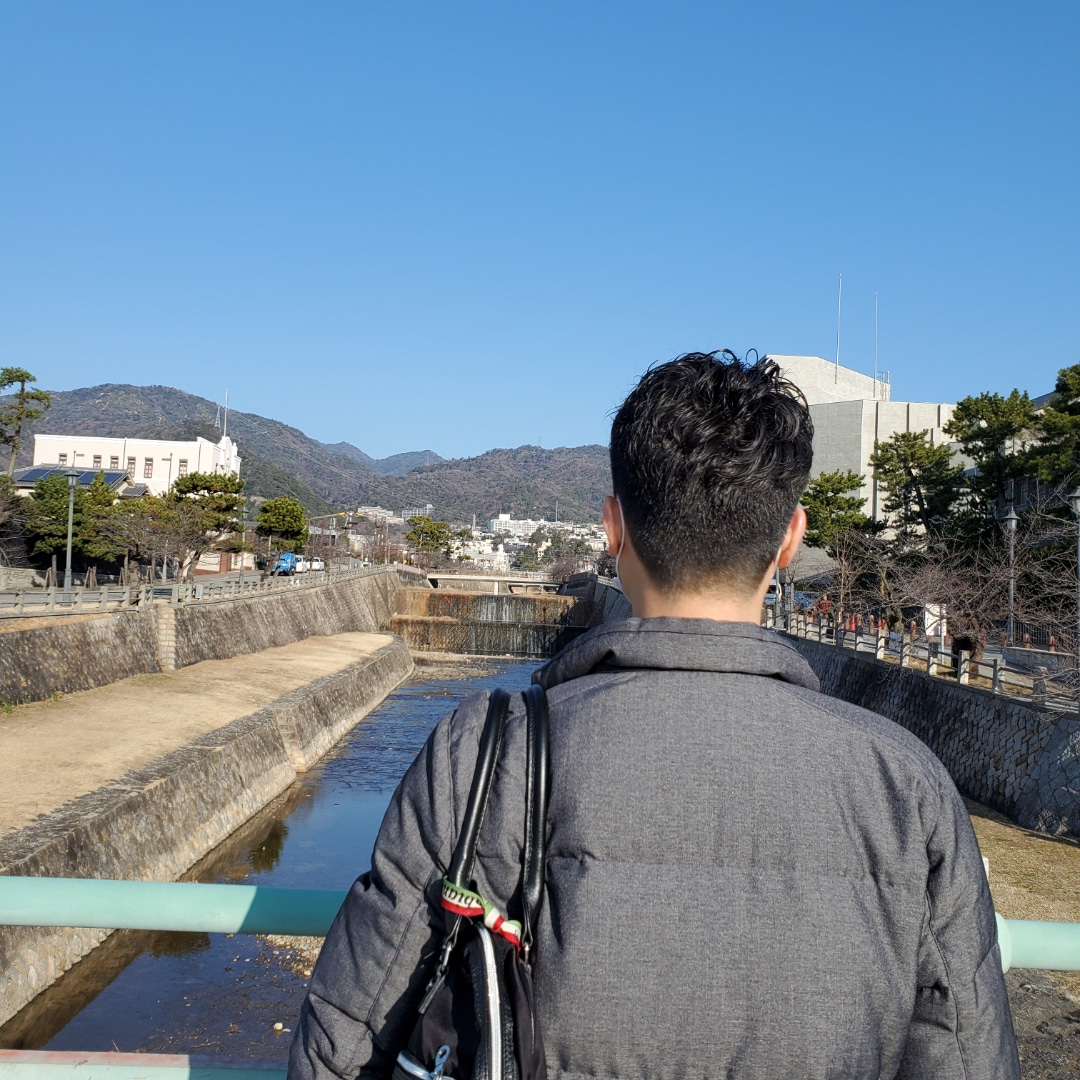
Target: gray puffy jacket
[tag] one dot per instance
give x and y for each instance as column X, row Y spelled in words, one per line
column 745, row 878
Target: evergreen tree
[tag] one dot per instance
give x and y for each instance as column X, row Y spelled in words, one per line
column 922, row 484
column 833, row 506
column 996, row 433
column 284, row 521
column 428, row 535
column 25, row 407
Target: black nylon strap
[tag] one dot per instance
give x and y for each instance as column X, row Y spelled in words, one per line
column 537, row 786
column 460, row 872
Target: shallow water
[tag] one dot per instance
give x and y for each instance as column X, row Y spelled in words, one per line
column 220, row 995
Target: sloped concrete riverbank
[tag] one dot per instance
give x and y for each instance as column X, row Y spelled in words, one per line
column 153, row 819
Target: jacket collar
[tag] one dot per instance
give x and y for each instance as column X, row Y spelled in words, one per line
column 678, row 645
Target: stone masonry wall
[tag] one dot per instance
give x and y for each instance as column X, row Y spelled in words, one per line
column 1021, row 760
column 67, row 653
column 75, row 652
column 154, row 823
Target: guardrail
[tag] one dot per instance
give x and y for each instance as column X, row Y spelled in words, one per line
column 1055, row 689
column 256, row 909
column 31, row 602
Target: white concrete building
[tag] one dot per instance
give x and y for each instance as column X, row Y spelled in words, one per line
column 153, row 462
column 853, row 412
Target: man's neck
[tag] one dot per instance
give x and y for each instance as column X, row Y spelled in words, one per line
column 649, row 603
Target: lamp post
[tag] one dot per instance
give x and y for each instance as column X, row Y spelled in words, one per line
column 72, row 482
column 1011, row 519
column 1074, row 502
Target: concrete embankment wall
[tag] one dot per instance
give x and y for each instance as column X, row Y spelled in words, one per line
column 155, row 823
column 67, row 653
column 1021, row 760
column 75, row 652
column 485, row 624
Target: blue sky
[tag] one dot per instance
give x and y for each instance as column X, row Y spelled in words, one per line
column 416, row 225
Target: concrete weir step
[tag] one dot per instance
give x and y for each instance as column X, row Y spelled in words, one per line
column 486, row 624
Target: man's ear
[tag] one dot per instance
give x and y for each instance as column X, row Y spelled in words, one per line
column 793, row 537
column 613, row 525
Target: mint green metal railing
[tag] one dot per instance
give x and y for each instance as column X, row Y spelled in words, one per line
column 255, row 909
column 167, row 905
column 251, row 909
column 60, row 1065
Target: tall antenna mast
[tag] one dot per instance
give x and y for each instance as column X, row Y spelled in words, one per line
column 875, row 344
column 839, row 297
column 226, row 431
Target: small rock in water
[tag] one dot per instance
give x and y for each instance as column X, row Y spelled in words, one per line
column 279, row 1026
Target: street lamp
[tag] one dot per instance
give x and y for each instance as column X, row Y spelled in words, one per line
column 72, row 482
column 1074, row 502
column 1011, row 519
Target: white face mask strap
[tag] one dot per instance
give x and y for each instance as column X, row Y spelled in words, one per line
column 622, row 535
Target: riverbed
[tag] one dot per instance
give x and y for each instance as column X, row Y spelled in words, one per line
column 223, row 995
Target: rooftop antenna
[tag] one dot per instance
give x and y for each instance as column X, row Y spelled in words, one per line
column 226, row 431
column 839, row 297
column 875, row 344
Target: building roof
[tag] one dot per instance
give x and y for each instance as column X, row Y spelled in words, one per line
column 115, row 478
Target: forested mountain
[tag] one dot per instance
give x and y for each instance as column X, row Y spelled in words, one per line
column 282, row 460
column 395, row 465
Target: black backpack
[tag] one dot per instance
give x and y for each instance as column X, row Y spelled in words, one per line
column 477, row 1019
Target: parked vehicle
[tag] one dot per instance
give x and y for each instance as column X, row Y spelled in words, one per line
column 316, row 564
column 285, row 563
column 302, row 565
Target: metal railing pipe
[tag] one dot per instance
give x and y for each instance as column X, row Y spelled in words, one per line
column 1028, row 943
column 167, row 905
column 78, row 1065
column 257, row 909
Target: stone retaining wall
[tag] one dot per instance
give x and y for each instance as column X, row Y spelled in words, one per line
column 67, row 653
column 1021, row 760
column 155, row 823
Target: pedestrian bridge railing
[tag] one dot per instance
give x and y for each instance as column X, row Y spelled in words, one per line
column 31, row 602
column 257, row 909
column 1048, row 679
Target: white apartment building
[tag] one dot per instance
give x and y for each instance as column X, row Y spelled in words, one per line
column 153, row 462
column 852, row 412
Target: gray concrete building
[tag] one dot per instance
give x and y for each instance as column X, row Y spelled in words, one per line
column 852, row 412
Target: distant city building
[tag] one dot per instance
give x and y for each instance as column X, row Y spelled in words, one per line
column 505, row 525
column 156, row 463
column 379, row 515
column 853, row 412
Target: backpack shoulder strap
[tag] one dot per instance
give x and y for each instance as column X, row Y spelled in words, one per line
column 537, row 787
column 461, row 864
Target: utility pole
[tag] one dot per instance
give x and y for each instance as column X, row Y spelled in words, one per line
column 839, row 297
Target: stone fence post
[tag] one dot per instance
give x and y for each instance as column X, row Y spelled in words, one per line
column 963, row 668
column 1038, row 686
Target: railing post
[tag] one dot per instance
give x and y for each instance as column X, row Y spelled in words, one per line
column 1038, row 686
column 963, row 668
column 931, row 658
column 879, row 651
column 996, row 677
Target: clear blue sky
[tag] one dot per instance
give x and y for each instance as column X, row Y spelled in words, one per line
column 460, row 226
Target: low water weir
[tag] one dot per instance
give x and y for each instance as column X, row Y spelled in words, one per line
column 488, row 624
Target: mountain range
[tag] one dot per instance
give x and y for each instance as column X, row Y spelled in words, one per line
column 281, row 460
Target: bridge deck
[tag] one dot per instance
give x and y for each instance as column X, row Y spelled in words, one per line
column 54, row 751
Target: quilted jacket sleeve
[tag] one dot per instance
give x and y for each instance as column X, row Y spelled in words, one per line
column 962, row 1026
column 380, row 951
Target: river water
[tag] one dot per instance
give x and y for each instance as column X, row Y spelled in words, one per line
column 221, row 995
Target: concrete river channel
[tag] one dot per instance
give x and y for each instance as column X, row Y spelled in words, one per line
column 223, row 995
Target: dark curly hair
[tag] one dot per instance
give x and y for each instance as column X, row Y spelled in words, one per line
column 709, row 458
